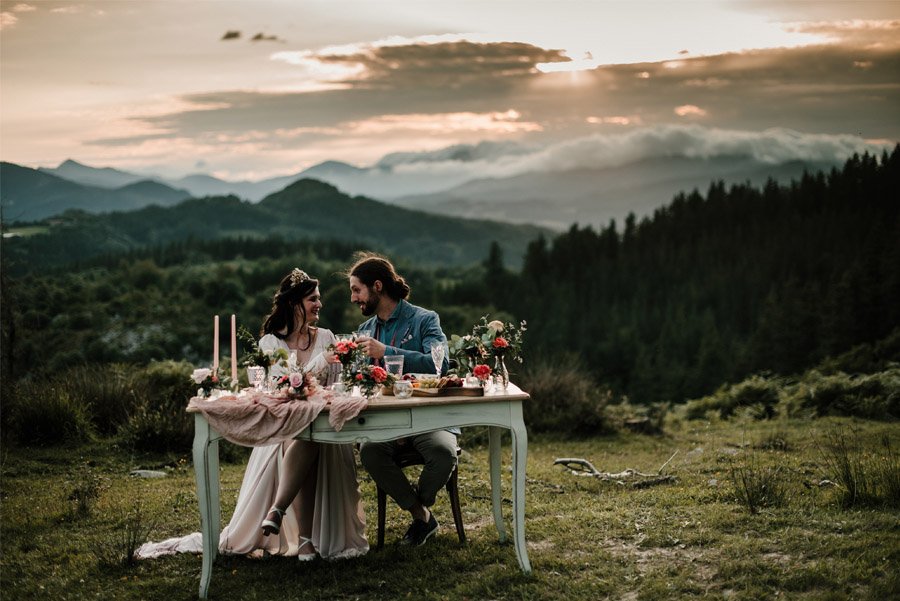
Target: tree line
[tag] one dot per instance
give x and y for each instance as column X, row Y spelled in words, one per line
column 714, row 287
column 709, row 289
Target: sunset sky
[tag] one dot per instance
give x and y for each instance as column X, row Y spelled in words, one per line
column 247, row 90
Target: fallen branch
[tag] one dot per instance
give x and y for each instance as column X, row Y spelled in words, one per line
column 583, row 467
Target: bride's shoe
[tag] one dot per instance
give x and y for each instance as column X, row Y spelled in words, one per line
column 273, row 525
column 306, row 556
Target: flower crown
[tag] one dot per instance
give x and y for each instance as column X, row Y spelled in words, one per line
column 298, row 276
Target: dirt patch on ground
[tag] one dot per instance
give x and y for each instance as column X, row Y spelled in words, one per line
column 650, row 558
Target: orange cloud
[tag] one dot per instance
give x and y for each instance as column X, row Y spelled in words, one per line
column 689, row 110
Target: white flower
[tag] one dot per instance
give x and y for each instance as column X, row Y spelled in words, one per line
column 496, row 325
column 200, row 374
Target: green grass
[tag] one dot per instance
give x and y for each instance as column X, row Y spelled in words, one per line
column 587, row 539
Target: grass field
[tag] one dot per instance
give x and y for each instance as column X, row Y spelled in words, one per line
column 64, row 510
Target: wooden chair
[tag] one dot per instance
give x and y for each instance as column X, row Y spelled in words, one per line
column 406, row 457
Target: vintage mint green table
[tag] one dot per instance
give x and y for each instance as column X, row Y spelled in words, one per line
column 387, row 418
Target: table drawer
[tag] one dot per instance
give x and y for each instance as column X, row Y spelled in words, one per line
column 379, row 420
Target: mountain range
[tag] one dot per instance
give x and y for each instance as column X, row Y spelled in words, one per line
column 457, row 181
column 304, row 210
column 30, row 195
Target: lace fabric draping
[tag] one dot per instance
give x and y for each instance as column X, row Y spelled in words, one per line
column 255, row 417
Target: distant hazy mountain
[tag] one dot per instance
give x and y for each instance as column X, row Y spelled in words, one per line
column 452, row 181
column 28, row 195
column 103, row 177
column 307, row 209
column 380, row 181
column 386, row 180
column 594, row 196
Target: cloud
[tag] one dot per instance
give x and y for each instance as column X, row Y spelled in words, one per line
column 689, row 110
column 399, row 64
column 7, row 19
column 604, row 151
column 405, row 97
column 447, row 123
column 857, row 32
column 23, row 8
column 66, row 10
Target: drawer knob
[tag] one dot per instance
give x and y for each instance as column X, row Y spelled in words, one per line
column 361, row 421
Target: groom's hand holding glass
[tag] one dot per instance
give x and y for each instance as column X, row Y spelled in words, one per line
column 371, row 347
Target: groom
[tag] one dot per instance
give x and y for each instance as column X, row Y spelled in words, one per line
column 396, row 327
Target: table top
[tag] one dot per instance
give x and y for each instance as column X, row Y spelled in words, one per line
column 513, row 393
column 385, row 402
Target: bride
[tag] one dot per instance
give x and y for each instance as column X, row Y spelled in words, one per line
column 298, row 498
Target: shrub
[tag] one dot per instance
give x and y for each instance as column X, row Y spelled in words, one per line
column 116, row 549
column 863, row 479
column 564, row 399
column 776, row 440
column 85, row 492
column 758, row 486
column 105, row 390
column 643, row 419
column 873, row 396
column 847, row 468
column 758, row 395
column 45, row 414
column 159, row 422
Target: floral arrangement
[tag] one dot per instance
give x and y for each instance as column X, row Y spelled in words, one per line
column 356, row 370
column 488, row 340
column 259, row 357
column 347, row 352
column 208, row 380
column 370, row 378
column 298, row 385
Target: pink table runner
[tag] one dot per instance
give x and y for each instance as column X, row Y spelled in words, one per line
column 254, row 417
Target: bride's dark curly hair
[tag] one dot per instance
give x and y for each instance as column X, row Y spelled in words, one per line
column 294, row 287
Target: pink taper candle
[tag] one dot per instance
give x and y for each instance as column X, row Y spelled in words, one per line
column 233, row 348
column 215, row 343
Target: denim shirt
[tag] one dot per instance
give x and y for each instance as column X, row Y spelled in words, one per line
column 409, row 331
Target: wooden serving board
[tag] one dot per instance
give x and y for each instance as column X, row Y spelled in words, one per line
column 450, row 391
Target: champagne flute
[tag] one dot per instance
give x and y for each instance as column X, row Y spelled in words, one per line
column 437, row 355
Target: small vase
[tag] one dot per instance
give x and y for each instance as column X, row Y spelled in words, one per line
column 500, row 371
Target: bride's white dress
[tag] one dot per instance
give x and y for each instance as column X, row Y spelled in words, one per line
column 338, row 517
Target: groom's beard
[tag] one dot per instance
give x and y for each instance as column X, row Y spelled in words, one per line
column 368, row 308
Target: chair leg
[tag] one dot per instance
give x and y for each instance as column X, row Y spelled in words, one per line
column 382, row 507
column 453, row 492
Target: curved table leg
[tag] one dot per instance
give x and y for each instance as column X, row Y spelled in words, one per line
column 519, row 457
column 206, row 471
column 496, row 480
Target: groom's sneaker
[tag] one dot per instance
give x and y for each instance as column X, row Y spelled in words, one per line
column 419, row 532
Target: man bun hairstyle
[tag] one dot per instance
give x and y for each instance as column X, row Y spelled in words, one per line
column 370, row 267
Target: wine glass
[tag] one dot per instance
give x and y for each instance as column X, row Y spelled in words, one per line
column 437, row 355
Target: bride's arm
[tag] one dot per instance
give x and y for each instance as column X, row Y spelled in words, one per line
column 319, row 365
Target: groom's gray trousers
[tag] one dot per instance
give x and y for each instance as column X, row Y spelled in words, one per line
column 439, row 450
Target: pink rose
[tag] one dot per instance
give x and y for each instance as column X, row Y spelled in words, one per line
column 296, row 380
